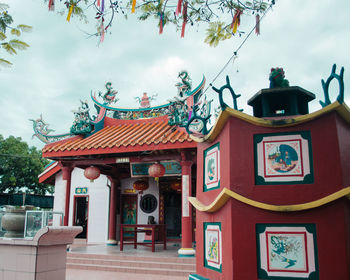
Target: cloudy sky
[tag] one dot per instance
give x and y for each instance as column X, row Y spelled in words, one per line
column 63, row 65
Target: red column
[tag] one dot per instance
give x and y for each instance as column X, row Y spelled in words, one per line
column 186, row 221
column 67, row 175
column 112, row 213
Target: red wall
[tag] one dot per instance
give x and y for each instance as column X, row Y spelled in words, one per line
column 330, row 151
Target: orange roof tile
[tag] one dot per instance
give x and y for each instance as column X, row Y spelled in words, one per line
column 123, row 136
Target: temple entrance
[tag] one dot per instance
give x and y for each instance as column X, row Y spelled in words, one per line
column 128, row 212
column 172, row 213
column 81, row 207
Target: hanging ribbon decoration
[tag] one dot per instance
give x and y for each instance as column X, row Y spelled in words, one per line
column 51, row 5
column 161, row 23
column 257, row 25
column 236, row 20
column 184, row 14
column 102, row 32
column 178, row 9
column 98, row 3
column 133, row 6
column 103, row 6
column 70, row 12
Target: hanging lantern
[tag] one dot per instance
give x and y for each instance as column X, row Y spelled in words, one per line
column 156, row 170
column 140, row 185
column 176, row 185
column 92, row 173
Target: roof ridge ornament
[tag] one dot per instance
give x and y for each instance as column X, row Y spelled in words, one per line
column 109, row 96
column 325, row 86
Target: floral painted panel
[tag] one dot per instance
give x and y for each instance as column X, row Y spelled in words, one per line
column 211, row 170
column 213, row 246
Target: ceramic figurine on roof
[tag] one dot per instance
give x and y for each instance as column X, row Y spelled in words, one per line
column 277, row 78
column 110, row 96
column 82, row 122
column 41, row 130
column 145, row 101
column 184, row 87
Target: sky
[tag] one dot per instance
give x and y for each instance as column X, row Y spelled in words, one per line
column 63, row 65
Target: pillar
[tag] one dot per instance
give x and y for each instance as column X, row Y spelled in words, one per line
column 112, row 231
column 67, row 176
column 186, row 219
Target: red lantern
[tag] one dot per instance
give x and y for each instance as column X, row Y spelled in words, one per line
column 92, row 173
column 156, row 170
column 176, row 185
column 140, row 185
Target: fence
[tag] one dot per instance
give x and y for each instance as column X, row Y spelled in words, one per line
column 41, row 201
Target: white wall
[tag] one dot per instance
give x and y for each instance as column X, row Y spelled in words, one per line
column 59, row 201
column 98, row 193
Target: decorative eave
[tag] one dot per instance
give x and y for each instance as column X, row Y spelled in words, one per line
column 342, row 109
column 226, row 194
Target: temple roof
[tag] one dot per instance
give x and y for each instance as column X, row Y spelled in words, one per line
column 120, row 136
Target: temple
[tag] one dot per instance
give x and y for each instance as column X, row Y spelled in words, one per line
column 147, row 163
column 271, row 190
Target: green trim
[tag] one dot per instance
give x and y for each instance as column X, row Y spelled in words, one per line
column 193, row 276
column 205, row 152
column 308, row 179
column 262, row 274
column 205, row 225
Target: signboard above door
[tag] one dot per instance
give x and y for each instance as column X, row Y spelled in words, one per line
column 140, row 169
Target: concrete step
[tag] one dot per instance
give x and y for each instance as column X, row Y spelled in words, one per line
column 132, row 264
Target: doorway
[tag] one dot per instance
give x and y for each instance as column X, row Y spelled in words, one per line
column 172, row 213
column 81, row 210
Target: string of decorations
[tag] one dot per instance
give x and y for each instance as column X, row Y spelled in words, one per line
column 181, row 14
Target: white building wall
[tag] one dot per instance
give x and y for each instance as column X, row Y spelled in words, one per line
column 59, row 200
column 142, row 217
column 98, row 211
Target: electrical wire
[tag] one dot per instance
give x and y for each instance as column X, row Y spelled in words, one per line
column 234, row 56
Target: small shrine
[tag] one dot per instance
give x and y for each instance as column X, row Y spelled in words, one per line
column 273, row 189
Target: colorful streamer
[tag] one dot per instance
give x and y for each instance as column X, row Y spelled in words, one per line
column 51, row 5
column 103, row 6
column 98, row 3
column 257, row 25
column 236, row 20
column 70, row 12
column 178, row 9
column 184, row 14
column 133, row 6
column 102, row 33
column 161, row 24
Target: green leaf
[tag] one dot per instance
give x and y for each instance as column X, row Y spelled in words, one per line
column 2, row 36
column 18, row 44
column 16, row 32
column 25, row 28
column 5, row 63
column 9, row 48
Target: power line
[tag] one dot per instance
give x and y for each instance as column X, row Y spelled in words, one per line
column 234, row 56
